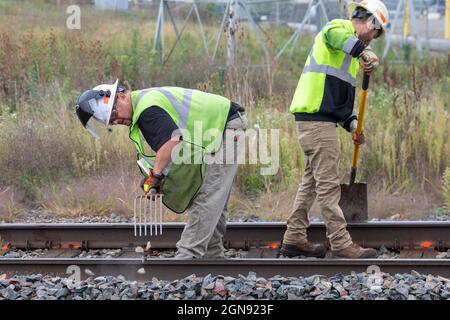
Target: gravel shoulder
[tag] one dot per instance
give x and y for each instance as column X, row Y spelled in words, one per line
column 355, row 286
column 36, row 216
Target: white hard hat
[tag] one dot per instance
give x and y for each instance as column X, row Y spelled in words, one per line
column 375, row 7
column 96, row 105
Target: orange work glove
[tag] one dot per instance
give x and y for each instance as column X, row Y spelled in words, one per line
column 152, row 183
column 358, row 139
column 368, row 60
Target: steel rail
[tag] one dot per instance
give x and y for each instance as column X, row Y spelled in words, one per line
column 396, row 235
column 171, row 269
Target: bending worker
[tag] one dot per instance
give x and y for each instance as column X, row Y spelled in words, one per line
column 324, row 97
column 208, row 127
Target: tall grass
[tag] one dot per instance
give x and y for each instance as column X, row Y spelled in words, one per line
column 446, row 188
column 42, row 70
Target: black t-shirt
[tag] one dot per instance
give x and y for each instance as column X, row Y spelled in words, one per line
column 157, row 126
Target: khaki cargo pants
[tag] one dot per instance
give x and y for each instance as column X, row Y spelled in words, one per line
column 321, row 148
column 203, row 234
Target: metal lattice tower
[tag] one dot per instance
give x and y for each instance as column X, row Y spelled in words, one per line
column 406, row 6
column 234, row 10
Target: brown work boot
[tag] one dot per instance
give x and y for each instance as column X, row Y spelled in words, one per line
column 354, row 251
column 307, row 249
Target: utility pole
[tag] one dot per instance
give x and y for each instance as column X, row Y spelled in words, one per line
column 277, row 12
column 406, row 21
column 447, row 19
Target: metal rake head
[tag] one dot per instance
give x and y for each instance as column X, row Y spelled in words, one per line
column 148, row 215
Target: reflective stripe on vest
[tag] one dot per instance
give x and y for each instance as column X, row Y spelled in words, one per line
column 349, row 44
column 341, row 73
column 181, row 108
column 186, row 107
column 325, row 60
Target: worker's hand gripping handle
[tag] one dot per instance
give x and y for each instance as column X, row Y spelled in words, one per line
column 359, row 128
column 365, row 83
column 152, row 183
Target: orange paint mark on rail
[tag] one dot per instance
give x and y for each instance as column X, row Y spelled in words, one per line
column 426, row 244
column 5, row 248
column 71, row 245
column 273, row 246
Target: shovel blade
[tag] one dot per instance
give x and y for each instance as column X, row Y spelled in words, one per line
column 354, row 202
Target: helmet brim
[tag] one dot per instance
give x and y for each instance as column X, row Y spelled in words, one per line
column 112, row 88
column 112, row 101
column 94, row 107
column 351, row 7
column 92, row 127
column 83, row 115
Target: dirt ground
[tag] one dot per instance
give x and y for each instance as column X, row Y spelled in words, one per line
column 268, row 207
column 397, row 206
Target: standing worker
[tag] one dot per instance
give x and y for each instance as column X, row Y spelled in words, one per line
column 168, row 117
column 324, row 97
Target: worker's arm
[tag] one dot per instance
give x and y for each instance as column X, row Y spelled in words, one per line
column 161, row 133
column 152, row 183
column 337, row 37
column 164, row 155
column 350, row 123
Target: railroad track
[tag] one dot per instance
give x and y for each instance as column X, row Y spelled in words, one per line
column 418, row 237
column 395, row 235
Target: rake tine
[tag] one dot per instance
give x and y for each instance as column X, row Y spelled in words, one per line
column 135, row 220
column 146, row 211
column 150, row 215
column 149, row 212
column 155, row 215
column 145, row 219
column 150, row 205
column 160, row 215
column 140, row 216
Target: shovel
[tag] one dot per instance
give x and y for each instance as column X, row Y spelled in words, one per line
column 354, row 195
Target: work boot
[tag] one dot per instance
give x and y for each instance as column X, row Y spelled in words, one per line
column 307, row 249
column 354, row 251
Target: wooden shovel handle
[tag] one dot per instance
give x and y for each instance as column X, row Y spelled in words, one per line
column 359, row 128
